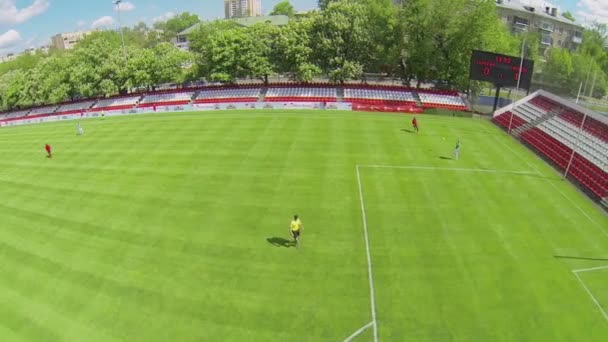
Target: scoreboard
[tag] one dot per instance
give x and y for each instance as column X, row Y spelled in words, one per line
column 500, row 70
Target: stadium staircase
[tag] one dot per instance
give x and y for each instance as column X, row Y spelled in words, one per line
column 194, row 96
column 550, row 127
column 262, row 96
column 417, row 98
column 519, row 130
column 340, row 94
column 138, row 101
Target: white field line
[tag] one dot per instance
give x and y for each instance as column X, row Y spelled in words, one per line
column 438, row 168
column 575, row 272
column 591, row 269
column 595, row 223
column 374, row 322
column 359, row 332
column 597, row 303
column 369, row 258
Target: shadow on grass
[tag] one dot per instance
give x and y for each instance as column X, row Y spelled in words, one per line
column 444, row 158
column 280, row 242
column 408, row 130
column 579, row 258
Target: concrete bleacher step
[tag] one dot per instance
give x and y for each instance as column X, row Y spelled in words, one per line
column 340, row 94
column 262, row 96
column 194, row 96
column 519, row 130
column 417, row 98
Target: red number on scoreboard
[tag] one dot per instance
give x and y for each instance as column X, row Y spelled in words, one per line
column 516, row 76
column 486, row 71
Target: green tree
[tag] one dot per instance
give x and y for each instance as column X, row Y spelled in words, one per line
column 177, row 24
column 568, row 16
column 439, row 36
column 559, row 68
column 169, row 64
column 341, row 39
column 383, row 23
column 293, row 51
column 200, row 43
column 256, row 51
column 283, row 8
column 12, row 89
column 222, row 55
column 324, row 3
column 24, row 62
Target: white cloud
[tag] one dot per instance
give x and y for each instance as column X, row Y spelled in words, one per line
column 164, row 17
column 9, row 39
column 593, row 10
column 104, row 21
column 81, row 23
column 125, row 6
column 10, row 14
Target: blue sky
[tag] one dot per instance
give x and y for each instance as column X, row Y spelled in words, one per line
column 30, row 23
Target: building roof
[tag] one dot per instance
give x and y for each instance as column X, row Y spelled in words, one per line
column 277, row 20
column 539, row 10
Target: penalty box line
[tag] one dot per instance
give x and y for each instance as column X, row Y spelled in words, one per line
column 374, row 323
column 582, row 282
column 595, row 223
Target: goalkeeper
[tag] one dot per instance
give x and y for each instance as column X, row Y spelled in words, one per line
column 457, row 150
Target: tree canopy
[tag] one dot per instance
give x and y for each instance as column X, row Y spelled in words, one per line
column 283, row 8
column 429, row 41
column 96, row 67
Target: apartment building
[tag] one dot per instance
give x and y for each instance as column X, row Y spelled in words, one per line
column 242, row 8
column 67, row 41
column 543, row 17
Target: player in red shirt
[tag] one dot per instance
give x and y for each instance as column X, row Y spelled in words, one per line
column 415, row 124
column 47, row 147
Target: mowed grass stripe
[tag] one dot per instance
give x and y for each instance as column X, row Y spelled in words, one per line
column 454, row 221
column 154, row 227
column 224, row 224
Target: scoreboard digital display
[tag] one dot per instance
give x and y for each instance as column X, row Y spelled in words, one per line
column 500, row 70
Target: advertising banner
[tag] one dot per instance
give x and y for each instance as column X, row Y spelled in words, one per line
column 339, row 106
column 194, row 107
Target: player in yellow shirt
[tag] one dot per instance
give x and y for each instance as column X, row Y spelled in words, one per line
column 295, row 228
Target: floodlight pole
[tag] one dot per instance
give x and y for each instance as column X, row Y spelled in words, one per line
column 578, row 139
column 521, row 65
column 122, row 37
column 592, row 85
column 578, row 96
column 587, row 77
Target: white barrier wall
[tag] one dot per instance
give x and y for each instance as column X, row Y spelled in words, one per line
column 189, row 108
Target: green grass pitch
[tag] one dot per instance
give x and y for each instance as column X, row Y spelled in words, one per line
column 173, row 227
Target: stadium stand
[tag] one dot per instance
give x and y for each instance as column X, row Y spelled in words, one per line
column 212, row 95
column 42, row 111
column 166, row 99
column 15, row 114
column 313, row 94
column 70, row 108
column 387, row 96
column 116, row 103
column 441, row 99
column 551, row 126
